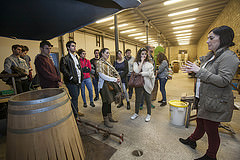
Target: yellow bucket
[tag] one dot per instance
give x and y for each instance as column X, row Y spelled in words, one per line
column 177, row 103
column 177, row 112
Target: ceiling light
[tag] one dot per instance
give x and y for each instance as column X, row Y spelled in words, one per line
column 183, row 37
column 183, row 12
column 184, row 20
column 171, row 2
column 186, row 26
column 183, row 40
column 130, row 30
column 144, row 37
column 136, row 34
column 105, row 19
column 152, row 41
column 184, row 43
column 183, row 31
column 185, row 34
column 121, row 25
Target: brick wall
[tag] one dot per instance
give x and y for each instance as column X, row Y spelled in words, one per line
column 229, row 16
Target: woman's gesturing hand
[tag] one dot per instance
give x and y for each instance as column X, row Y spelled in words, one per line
column 190, row 67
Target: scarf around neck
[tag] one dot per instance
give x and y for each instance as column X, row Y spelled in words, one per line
column 106, row 68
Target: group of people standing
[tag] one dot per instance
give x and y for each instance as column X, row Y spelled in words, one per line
column 79, row 72
column 213, row 91
column 19, row 61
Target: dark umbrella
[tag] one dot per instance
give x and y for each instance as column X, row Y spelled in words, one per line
column 46, row 19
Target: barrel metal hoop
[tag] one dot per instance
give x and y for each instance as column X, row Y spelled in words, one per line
column 34, row 111
column 32, row 130
column 32, row 102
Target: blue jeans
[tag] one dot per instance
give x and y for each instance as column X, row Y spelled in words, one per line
column 163, row 82
column 88, row 83
column 95, row 84
column 74, row 90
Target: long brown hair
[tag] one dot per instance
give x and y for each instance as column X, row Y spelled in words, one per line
column 161, row 56
column 138, row 56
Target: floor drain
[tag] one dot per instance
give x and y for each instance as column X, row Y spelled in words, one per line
column 137, row 153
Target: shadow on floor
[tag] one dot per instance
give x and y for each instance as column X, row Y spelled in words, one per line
column 94, row 149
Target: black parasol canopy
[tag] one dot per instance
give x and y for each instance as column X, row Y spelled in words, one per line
column 46, row 19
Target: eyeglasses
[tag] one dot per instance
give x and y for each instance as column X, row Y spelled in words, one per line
column 141, row 49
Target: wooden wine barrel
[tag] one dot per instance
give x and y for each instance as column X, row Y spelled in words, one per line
column 41, row 126
column 175, row 67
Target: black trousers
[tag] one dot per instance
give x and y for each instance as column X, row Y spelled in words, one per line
column 141, row 94
column 106, row 108
column 22, row 85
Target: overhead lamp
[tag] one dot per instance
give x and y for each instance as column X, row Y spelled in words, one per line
column 144, row 37
column 136, row 34
column 185, row 34
column 121, row 25
column 184, row 20
column 183, row 37
column 105, row 19
column 186, row 26
column 183, row 12
column 171, row 2
column 184, row 43
column 183, row 40
column 151, row 41
column 183, row 31
column 130, row 30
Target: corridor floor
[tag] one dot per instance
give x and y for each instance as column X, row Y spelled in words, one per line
column 158, row 139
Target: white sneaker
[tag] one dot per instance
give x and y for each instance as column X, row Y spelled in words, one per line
column 148, row 118
column 134, row 116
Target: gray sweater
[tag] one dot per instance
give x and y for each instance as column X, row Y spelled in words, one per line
column 163, row 70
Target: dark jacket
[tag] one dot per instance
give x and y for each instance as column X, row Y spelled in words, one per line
column 215, row 92
column 67, row 67
column 47, row 72
column 122, row 71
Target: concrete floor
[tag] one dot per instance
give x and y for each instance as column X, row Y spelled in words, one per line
column 159, row 138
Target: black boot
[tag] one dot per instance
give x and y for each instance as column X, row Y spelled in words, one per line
column 163, row 104
column 189, row 142
column 120, row 105
column 206, row 157
column 128, row 105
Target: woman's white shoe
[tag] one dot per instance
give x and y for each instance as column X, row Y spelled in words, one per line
column 134, row 116
column 148, row 118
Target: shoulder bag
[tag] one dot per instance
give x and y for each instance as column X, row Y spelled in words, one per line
column 136, row 80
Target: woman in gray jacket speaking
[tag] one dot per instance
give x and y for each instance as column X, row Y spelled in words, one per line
column 213, row 88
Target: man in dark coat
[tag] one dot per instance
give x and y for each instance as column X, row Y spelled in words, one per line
column 72, row 75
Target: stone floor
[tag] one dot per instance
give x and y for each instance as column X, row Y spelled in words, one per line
column 158, row 139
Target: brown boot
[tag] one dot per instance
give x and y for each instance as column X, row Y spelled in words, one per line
column 106, row 122
column 110, row 118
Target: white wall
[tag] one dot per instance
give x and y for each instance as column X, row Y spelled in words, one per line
column 84, row 40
